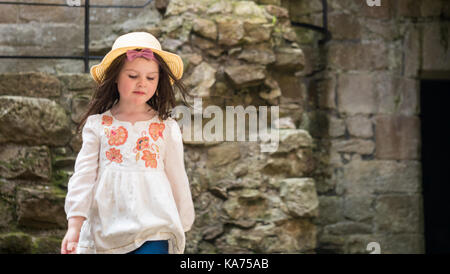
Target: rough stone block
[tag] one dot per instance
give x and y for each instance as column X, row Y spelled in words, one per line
column 77, row 81
column 412, row 51
column 344, row 26
column 366, row 178
column 7, row 211
column 359, row 146
column 9, row 14
column 348, row 228
column 396, row 213
column 330, row 210
column 290, row 86
column 436, row 49
column 397, row 137
column 408, row 8
column 245, row 76
column 79, row 107
column 230, row 31
column 396, row 95
column 355, row 56
column 326, row 92
column 48, row 14
column 223, row 154
column 16, row 243
column 336, row 127
column 33, row 121
column 205, row 28
column 359, row 126
column 25, row 162
column 300, row 196
column 40, row 208
column 289, row 59
column 292, row 139
column 298, row 8
column 355, row 94
column 358, row 208
column 32, row 84
column 431, row 8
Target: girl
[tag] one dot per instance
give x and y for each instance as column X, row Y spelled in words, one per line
column 129, row 192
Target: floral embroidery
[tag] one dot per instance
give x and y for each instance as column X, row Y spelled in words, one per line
column 148, row 150
column 118, row 136
column 114, row 155
column 155, row 130
column 145, row 149
column 107, row 120
column 155, row 148
column 150, row 159
column 142, row 143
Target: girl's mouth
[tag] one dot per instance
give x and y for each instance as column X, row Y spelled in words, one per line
column 139, row 92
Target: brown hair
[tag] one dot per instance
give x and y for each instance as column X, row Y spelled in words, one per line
column 106, row 93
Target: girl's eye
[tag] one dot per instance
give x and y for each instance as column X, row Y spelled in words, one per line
column 134, row 77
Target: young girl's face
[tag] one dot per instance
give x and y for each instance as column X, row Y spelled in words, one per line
column 137, row 81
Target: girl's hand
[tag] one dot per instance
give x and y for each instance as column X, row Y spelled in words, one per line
column 70, row 241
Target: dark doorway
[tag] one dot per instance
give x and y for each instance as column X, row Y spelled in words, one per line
column 435, row 130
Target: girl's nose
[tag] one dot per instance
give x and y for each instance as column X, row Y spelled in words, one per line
column 141, row 82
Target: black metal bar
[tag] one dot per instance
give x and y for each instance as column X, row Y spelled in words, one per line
column 309, row 26
column 33, row 4
column 325, row 22
column 86, row 37
column 323, row 29
column 47, row 57
column 325, row 13
column 80, row 6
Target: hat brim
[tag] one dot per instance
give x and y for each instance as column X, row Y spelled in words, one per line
column 173, row 61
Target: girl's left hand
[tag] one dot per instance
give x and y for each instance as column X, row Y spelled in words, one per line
column 70, row 241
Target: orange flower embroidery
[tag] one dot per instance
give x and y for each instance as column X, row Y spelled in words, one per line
column 155, row 130
column 142, row 143
column 118, row 136
column 107, row 120
column 150, row 159
column 114, row 155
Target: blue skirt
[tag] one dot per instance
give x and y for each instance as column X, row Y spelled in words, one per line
column 153, row 247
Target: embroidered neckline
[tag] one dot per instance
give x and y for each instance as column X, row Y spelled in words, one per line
column 128, row 122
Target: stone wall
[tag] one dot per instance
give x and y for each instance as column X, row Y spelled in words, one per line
column 364, row 106
column 235, row 53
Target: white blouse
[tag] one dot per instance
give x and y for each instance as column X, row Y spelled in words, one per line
column 131, row 185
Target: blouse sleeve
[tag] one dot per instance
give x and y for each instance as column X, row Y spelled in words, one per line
column 81, row 184
column 176, row 173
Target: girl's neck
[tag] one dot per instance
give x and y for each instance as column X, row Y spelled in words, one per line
column 130, row 109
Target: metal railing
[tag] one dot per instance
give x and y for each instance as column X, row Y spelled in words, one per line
column 87, row 6
column 323, row 29
column 86, row 57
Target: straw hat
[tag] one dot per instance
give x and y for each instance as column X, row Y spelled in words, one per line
column 137, row 40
